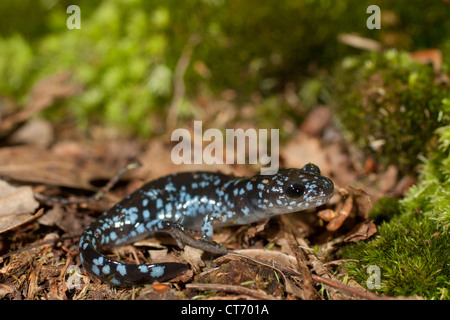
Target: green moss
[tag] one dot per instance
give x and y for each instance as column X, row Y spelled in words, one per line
column 390, row 106
column 412, row 253
column 412, row 248
column 431, row 196
column 384, row 210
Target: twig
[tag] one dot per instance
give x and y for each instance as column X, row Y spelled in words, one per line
column 308, row 290
column 360, row 42
column 231, row 289
column 179, row 87
column 343, row 287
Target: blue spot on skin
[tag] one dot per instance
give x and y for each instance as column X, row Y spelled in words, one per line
column 157, row 271
column 95, row 270
column 146, row 214
column 140, row 228
column 145, row 202
column 159, row 203
column 121, row 269
column 249, row 186
column 113, row 235
column 106, row 269
column 98, row 261
column 170, row 187
column 133, row 217
column 152, row 194
column 151, row 224
column 115, row 281
column 143, row 268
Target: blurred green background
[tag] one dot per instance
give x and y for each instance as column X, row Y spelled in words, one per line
column 263, row 64
column 126, row 53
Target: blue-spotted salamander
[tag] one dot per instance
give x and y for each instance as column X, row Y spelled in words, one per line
column 182, row 202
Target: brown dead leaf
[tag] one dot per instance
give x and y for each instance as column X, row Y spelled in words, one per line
column 388, row 179
column 342, row 214
column 362, row 231
column 193, row 257
column 35, row 132
column 40, row 165
column 316, row 121
column 16, row 205
column 327, row 214
column 5, row 289
column 43, row 94
column 433, row 56
column 271, row 259
column 362, row 202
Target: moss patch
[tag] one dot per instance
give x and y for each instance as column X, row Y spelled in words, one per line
column 412, row 247
column 390, row 106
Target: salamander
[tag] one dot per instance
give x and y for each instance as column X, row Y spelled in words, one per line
column 186, row 202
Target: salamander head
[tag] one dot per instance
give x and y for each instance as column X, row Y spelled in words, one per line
column 291, row 190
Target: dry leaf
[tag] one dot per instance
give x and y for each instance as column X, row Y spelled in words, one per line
column 433, row 56
column 362, row 202
column 193, row 257
column 361, row 231
column 43, row 94
column 316, row 121
column 16, row 205
column 40, row 165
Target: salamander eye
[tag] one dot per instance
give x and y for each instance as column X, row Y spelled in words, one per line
column 295, row 190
